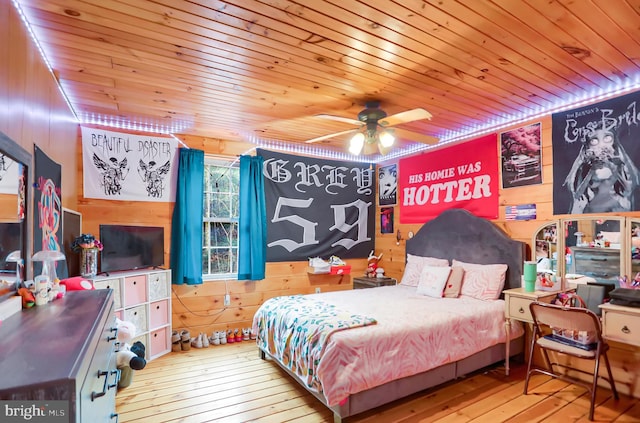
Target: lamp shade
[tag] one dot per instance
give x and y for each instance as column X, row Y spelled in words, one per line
column 356, row 143
column 386, row 139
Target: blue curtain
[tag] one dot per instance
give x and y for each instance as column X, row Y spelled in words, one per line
column 252, row 231
column 186, row 226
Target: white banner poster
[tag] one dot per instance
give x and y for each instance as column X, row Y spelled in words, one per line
column 126, row 167
column 9, row 171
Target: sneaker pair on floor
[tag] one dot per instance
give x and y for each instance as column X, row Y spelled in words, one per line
column 180, row 341
column 200, row 341
column 218, row 338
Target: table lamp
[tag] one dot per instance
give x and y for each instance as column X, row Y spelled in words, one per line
column 48, row 259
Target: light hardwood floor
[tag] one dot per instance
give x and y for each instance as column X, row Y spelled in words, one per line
column 230, row 383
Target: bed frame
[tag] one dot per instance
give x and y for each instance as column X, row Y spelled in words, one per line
column 457, row 234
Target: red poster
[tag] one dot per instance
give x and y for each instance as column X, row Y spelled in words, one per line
column 463, row 176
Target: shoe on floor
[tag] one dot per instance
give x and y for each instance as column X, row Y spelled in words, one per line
column 185, row 340
column 223, row 337
column 175, row 342
column 205, row 340
column 197, row 341
column 215, row 338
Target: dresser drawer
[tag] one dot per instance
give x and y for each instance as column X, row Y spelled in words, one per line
column 519, row 309
column 158, row 314
column 98, row 391
column 158, row 286
column 137, row 316
column 135, row 290
column 111, row 284
column 622, row 327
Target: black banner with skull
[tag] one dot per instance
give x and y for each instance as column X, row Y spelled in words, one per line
column 596, row 157
column 318, row 207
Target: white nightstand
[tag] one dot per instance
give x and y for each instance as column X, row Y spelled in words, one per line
column 621, row 324
column 517, row 308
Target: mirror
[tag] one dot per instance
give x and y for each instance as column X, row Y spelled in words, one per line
column 546, row 247
column 15, row 164
column 593, row 247
column 634, row 248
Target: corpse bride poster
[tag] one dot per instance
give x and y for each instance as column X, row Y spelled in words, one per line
column 596, row 157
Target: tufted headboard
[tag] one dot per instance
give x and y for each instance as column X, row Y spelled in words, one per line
column 458, row 234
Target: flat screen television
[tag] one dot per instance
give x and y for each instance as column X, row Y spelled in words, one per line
column 10, row 241
column 131, row 247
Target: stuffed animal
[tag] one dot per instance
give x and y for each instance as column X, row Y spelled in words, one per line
column 129, row 357
column 372, row 265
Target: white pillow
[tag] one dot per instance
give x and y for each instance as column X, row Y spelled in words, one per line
column 432, row 280
column 612, row 237
column 415, row 264
column 482, row 281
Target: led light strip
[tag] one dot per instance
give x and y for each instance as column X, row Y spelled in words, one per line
column 44, row 57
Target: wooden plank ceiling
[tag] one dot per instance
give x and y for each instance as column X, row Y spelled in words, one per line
column 241, row 69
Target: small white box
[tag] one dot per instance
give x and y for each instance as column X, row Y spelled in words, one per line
column 10, row 307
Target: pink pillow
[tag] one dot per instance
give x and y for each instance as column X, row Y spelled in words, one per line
column 433, row 280
column 482, row 281
column 77, row 283
column 454, row 283
column 411, row 275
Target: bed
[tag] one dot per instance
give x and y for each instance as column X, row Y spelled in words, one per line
column 356, row 350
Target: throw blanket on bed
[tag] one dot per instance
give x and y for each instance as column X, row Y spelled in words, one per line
column 300, row 327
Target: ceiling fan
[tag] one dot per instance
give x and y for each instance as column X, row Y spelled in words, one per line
column 375, row 130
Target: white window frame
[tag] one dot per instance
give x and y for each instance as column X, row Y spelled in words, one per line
column 206, row 237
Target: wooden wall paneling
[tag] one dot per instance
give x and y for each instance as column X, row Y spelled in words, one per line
column 32, row 111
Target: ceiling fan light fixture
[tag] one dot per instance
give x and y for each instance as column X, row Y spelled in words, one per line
column 386, row 139
column 356, row 143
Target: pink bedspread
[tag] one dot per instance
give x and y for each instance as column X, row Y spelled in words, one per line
column 413, row 334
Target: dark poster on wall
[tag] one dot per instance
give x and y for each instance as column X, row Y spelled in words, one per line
column 388, row 185
column 318, row 207
column 521, row 156
column 47, row 210
column 596, row 156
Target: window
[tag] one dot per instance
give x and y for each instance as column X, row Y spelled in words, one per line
column 220, row 220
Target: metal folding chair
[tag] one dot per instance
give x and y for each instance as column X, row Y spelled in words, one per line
column 568, row 321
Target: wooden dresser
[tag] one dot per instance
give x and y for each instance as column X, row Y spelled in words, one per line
column 64, row 350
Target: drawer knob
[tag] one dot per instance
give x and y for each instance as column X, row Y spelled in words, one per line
column 115, row 335
column 625, row 329
column 521, row 311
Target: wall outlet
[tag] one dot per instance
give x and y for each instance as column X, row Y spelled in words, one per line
column 317, row 290
column 227, row 300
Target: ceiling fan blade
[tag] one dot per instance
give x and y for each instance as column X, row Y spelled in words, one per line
column 404, row 117
column 414, row 136
column 341, row 119
column 326, row 137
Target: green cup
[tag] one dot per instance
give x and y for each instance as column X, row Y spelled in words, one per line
column 530, row 286
column 530, row 274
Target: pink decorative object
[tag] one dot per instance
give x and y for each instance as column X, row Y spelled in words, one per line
column 630, row 284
